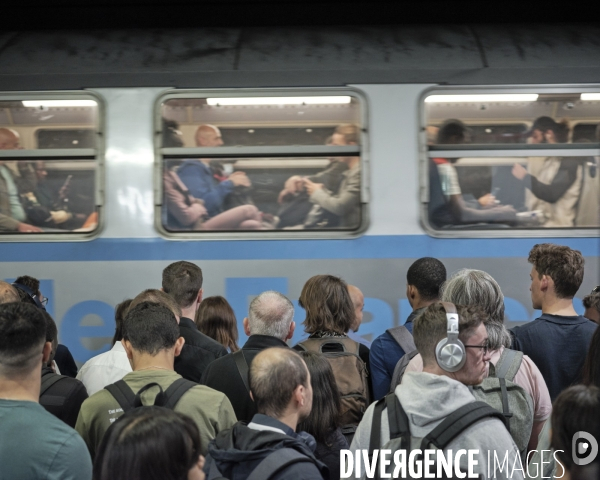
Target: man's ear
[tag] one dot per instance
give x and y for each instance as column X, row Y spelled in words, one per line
column 46, row 352
column 299, row 396
column 545, row 283
column 128, row 349
column 200, row 295
column 179, row 345
column 246, row 326
column 291, row 331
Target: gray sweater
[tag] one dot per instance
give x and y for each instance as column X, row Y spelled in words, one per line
column 427, row 400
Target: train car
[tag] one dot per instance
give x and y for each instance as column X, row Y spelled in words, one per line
column 95, row 115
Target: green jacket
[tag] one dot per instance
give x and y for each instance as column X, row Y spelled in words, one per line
column 211, row 410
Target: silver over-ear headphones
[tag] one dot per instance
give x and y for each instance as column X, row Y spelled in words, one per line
column 450, row 352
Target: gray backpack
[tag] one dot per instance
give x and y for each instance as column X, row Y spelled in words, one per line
column 405, row 339
column 500, row 392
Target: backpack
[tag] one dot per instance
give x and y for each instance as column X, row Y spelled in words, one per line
column 48, row 380
column 268, row 467
column 439, row 438
column 350, row 374
column 128, row 400
column 405, row 339
column 500, row 392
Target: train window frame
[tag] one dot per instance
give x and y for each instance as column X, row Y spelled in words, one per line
column 517, row 151
column 97, row 155
column 249, row 152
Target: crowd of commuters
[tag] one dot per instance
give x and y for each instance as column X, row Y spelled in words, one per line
column 176, row 398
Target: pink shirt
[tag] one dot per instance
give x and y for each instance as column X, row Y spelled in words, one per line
column 528, row 377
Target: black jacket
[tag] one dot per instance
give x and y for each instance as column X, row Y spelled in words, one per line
column 198, row 351
column 64, row 361
column 236, row 452
column 330, row 454
column 223, row 375
column 64, row 398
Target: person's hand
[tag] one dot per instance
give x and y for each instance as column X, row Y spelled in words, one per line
column 488, row 200
column 240, row 178
column 311, row 187
column 293, row 184
column 519, row 171
column 26, row 228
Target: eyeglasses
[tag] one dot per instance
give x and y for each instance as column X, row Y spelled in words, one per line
column 485, row 348
column 596, row 289
column 43, row 300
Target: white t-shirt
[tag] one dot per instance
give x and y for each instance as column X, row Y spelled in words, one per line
column 104, row 369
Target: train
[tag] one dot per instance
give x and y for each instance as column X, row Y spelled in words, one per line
column 89, row 108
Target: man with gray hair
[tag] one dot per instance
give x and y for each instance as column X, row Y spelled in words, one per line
column 270, row 323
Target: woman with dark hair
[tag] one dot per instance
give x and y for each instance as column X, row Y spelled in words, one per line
column 150, row 443
column 323, row 421
column 329, row 315
column 215, row 318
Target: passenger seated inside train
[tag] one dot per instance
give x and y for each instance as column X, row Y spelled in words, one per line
column 447, row 206
column 554, row 184
column 330, row 198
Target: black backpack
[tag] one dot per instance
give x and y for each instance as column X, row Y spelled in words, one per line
column 168, row 399
column 401, row 438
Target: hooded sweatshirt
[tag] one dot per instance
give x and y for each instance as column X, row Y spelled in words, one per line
column 427, row 400
column 237, row 451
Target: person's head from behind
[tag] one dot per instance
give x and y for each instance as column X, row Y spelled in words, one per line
column 29, row 291
column 208, row 136
column 150, row 443
column 271, row 314
column 183, row 281
column 591, row 304
column 280, row 384
column 478, row 288
column 51, row 335
column 345, row 134
column 9, row 139
column 8, row 293
column 324, row 416
column 547, row 130
column 23, row 346
column 431, row 326
column 358, row 300
column 151, row 330
column 453, row 132
column 574, row 411
column 172, row 136
column 328, row 305
column 120, row 311
column 156, row 296
column 556, row 273
column 591, row 367
column 216, row 318
column 424, row 279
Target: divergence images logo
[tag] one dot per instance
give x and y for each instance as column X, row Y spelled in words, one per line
column 584, row 448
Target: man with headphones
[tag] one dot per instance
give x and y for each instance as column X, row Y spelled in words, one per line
column 452, row 341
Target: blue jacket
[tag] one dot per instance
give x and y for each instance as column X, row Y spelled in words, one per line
column 199, row 180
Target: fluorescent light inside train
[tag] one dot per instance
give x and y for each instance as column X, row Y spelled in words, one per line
column 338, row 100
column 59, row 103
column 508, row 97
column 590, row 96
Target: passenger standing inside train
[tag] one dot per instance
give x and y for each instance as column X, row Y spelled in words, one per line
column 339, row 208
column 270, row 323
column 423, row 281
column 558, row 340
column 198, row 177
column 183, row 282
column 216, row 319
column 553, row 183
column 108, row 367
column 152, row 341
column 12, row 213
column 34, row 444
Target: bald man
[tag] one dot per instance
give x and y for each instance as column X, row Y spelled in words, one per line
column 12, row 213
column 8, row 293
column 208, row 136
column 358, row 300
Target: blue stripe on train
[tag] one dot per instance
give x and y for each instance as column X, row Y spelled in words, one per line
column 368, row 246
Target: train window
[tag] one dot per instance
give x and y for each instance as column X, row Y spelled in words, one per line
column 268, row 161
column 499, row 161
column 49, row 165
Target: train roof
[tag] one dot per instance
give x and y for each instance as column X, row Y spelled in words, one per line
column 300, row 56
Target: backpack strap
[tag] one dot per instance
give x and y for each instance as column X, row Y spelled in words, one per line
column 375, row 439
column 175, row 391
column 509, row 363
column 242, row 366
column 398, row 420
column 277, row 461
column 457, row 422
column 400, row 368
column 160, row 400
column 403, row 338
column 122, row 394
column 49, row 380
